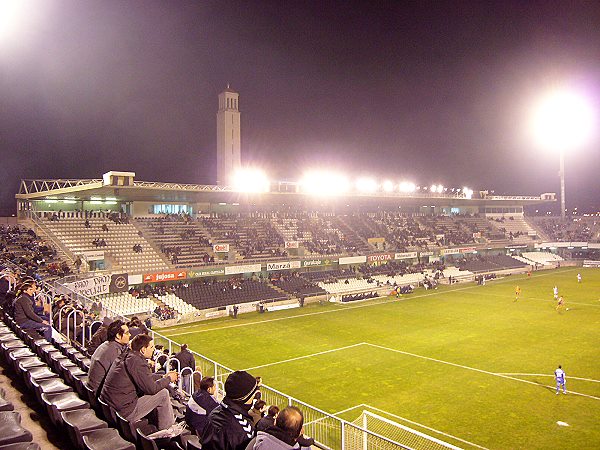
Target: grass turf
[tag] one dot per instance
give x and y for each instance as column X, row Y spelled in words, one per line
column 437, row 358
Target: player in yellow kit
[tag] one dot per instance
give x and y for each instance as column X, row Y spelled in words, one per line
column 517, row 293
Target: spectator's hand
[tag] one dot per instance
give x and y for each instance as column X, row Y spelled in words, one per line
column 173, row 376
column 45, row 322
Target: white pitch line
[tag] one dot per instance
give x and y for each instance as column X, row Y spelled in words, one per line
column 426, row 427
column 547, row 375
column 305, row 356
column 348, row 409
column 366, row 305
column 472, row 368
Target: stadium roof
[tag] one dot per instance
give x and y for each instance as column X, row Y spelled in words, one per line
column 281, row 193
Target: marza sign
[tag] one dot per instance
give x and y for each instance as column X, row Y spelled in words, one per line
column 380, row 257
column 164, row 276
column 221, row 248
column 283, row 265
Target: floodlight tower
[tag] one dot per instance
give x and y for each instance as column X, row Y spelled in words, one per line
column 229, row 159
column 563, row 120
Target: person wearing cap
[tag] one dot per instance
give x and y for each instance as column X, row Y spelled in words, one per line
column 229, row 425
column 286, row 434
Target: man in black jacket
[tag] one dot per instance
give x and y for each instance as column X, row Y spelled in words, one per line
column 133, row 390
column 117, row 335
column 186, row 359
column 25, row 316
column 200, row 405
column 229, row 425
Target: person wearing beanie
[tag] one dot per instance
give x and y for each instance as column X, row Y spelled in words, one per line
column 229, row 425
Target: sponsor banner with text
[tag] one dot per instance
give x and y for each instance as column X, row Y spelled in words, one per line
column 292, row 244
column 287, row 265
column 380, row 257
column 164, row 276
column 246, row 268
column 405, row 255
column 93, row 255
column 199, row 273
column 316, row 262
column 468, row 249
column 425, row 254
column 221, row 248
column 353, row 260
column 449, row 251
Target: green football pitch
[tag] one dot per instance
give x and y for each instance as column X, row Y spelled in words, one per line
column 466, row 364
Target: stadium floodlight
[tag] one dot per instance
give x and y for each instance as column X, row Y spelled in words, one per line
column 436, row 188
column 324, row 183
column 467, row 192
column 250, row 180
column 366, row 185
column 388, row 186
column 407, row 187
column 563, row 120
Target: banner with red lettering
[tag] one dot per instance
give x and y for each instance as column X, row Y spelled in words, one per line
column 164, row 276
column 221, row 248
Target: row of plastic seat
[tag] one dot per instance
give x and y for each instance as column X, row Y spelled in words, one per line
column 52, row 372
column 12, row 435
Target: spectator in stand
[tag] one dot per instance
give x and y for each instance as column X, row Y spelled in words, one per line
column 99, row 336
column 136, row 327
column 117, row 339
column 131, row 374
column 24, row 315
column 269, row 419
column 201, row 403
column 186, row 359
column 229, row 425
column 258, row 411
column 286, row 434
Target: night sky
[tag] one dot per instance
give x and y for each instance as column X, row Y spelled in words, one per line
column 434, row 92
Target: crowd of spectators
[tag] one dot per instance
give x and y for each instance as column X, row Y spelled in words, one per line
column 577, row 229
column 165, row 312
column 22, row 246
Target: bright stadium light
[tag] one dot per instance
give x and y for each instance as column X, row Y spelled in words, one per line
column 250, row 180
column 468, row 192
column 366, row 185
column 436, row 188
column 324, row 183
column 562, row 121
column 388, row 186
column 407, row 187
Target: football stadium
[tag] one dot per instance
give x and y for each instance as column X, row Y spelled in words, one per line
column 391, row 315
column 156, row 294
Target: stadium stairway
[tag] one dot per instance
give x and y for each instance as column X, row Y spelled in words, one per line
column 62, row 253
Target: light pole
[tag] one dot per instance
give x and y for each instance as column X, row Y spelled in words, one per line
column 561, row 174
column 563, row 120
